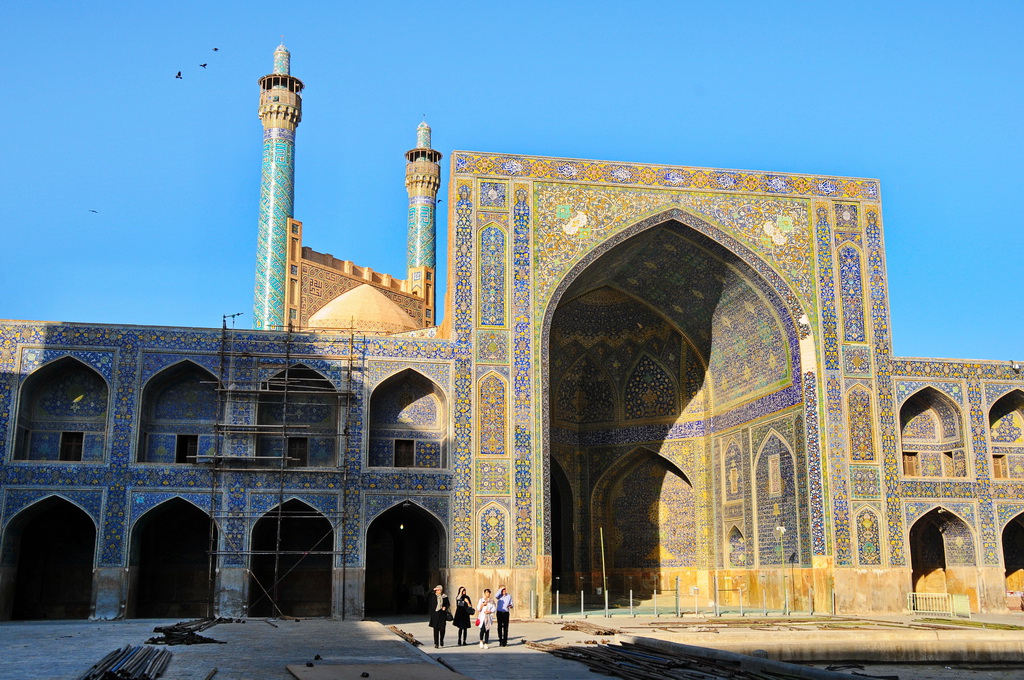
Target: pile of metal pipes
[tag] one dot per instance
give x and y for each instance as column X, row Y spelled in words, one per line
column 644, row 662
column 185, row 633
column 131, row 662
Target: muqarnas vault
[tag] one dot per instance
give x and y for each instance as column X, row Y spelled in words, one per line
column 647, row 377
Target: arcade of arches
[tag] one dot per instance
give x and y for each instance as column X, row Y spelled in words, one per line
column 656, row 373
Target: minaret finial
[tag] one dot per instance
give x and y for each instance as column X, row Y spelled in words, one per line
column 282, row 59
column 423, row 135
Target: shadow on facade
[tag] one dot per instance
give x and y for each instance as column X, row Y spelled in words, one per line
column 942, row 554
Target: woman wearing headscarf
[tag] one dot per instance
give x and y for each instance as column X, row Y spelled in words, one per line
column 485, row 609
column 463, row 610
column 438, row 606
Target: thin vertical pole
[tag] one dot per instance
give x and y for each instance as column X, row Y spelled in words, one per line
column 557, row 613
column 714, row 595
column 604, row 575
column 631, row 602
column 677, row 597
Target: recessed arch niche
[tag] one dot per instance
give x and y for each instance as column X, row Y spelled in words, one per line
column 179, row 411
column 62, row 414
column 49, row 550
column 662, row 338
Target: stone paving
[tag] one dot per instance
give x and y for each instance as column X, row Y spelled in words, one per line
column 41, row 650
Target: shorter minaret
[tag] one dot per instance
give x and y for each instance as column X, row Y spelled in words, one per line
column 422, row 180
column 280, row 110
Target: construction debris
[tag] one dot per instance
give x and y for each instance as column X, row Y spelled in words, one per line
column 131, row 662
column 590, row 629
column 408, row 637
column 185, row 633
column 636, row 661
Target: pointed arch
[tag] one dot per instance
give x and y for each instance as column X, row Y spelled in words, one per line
column 493, row 273
column 170, row 561
column 492, row 400
column 736, row 476
column 292, row 562
column 869, row 542
column 301, row 407
column 49, row 552
column 406, row 552
column 62, row 413
column 178, row 411
column 939, row 540
column 737, row 547
column 647, row 507
column 1013, row 553
column 723, row 298
column 493, row 528
column 860, row 424
column 650, row 390
column 408, row 420
column 947, row 412
column 932, row 435
column 851, row 281
column 775, row 498
column 1006, row 418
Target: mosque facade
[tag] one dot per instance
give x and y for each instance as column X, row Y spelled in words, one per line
column 649, row 380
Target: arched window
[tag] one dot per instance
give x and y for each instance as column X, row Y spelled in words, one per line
column 408, row 422
column 179, row 411
column 931, row 434
column 62, row 414
column 298, row 417
column 1006, row 432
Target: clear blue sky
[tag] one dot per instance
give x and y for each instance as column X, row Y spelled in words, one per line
column 925, row 96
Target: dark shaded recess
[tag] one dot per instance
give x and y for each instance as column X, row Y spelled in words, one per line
column 302, row 586
column 402, row 550
column 170, row 548
column 55, row 562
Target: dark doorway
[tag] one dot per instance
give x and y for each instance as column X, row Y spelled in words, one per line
column 291, row 563
column 403, row 561
column 562, row 536
column 54, row 562
column 1013, row 554
column 171, row 561
column 927, row 557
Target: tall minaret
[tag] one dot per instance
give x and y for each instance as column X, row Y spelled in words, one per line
column 422, row 180
column 280, row 110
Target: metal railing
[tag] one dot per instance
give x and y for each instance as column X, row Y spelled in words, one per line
column 722, row 597
column 944, row 604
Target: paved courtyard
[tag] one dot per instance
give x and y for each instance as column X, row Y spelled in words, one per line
column 261, row 650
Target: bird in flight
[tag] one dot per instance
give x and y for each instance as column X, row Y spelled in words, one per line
column 178, row 76
column 203, row 65
column 216, row 49
column 91, row 210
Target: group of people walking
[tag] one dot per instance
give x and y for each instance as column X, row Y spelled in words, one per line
column 488, row 613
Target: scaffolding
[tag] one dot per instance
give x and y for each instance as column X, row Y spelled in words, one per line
column 270, row 374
